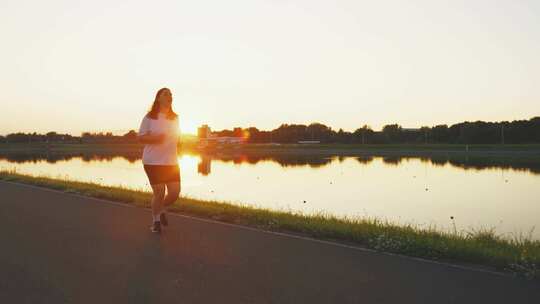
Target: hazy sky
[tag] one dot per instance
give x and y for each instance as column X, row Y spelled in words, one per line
column 73, row 66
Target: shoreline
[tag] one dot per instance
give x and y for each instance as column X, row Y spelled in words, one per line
column 310, row 149
column 481, row 248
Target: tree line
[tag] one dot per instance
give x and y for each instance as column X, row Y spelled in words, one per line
column 53, row 137
column 478, row 132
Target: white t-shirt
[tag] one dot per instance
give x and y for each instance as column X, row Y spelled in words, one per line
column 164, row 153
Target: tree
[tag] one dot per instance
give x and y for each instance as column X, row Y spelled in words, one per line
column 238, row 132
column 130, row 135
column 363, row 135
column 392, row 133
column 440, row 134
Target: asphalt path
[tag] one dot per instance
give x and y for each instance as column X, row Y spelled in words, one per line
column 65, row 248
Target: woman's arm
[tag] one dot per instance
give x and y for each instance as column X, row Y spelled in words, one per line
column 145, row 135
column 150, row 138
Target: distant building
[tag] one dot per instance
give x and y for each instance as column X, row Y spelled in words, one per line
column 209, row 139
column 204, row 131
column 226, row 139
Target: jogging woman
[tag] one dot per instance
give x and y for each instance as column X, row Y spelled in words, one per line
column 159, row 133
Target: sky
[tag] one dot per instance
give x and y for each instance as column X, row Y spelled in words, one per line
column 74, row 66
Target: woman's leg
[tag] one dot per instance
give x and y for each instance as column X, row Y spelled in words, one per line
column 173, row 191
column 157, row 200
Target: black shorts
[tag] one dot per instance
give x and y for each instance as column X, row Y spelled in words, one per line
column 162, row 174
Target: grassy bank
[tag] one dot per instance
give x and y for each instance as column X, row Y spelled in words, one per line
column 483, row 247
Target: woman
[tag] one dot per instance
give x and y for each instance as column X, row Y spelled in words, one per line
column 159, row 133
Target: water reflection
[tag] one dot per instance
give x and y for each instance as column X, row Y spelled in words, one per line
column 529, row 164
column 204, row 166
column 477, row 190
column 54, row 157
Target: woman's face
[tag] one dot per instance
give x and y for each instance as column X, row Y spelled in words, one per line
column 165, row 99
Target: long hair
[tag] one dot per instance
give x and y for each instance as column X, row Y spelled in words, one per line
column 154, row 110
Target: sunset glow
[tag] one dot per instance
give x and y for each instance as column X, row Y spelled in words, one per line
column 74, row 67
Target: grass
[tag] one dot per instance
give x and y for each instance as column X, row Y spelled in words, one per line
column 519, row 255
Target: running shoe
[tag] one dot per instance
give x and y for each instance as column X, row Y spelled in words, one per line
column 163, row 219
column 156, row 227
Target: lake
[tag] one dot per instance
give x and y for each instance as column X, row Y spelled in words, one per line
column 478, row 191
